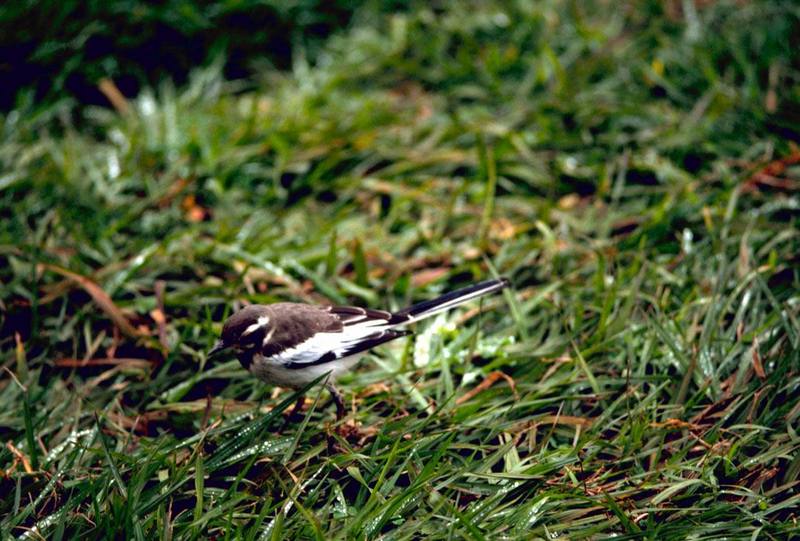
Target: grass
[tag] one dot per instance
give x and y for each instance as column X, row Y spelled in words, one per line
column 634, row 171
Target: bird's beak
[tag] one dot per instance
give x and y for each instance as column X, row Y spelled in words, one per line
column 218, row 347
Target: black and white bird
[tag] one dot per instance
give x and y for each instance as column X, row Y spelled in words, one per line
column 292, row 344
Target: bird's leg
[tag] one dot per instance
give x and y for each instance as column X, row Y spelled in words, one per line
column 296, row 409
column 298, row 406
column 349, row 430
column 338, row 400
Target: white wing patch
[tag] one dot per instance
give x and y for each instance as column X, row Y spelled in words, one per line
column 323, row 343
column 365, row 324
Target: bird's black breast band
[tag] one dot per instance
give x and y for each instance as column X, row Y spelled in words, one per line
column 245, row 359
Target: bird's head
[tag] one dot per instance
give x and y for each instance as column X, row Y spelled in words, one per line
column 244, row 330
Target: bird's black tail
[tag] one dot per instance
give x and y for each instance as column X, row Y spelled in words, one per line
column 448, row 301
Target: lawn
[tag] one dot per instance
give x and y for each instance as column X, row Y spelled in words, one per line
column 632, row 167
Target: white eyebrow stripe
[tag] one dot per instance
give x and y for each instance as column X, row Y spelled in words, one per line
column 252, row 328
column 262, row 321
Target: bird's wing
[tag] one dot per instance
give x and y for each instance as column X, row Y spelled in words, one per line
column 354, row 316
column 327, row 347
column 311, row 336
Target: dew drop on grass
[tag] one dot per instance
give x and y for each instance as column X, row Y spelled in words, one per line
column 147, row 105
column 265, row 448
column 113, row 165
column 686, row 241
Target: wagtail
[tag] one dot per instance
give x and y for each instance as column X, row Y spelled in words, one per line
column 292, row 344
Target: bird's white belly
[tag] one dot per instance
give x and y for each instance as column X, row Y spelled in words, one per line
column 275, row 373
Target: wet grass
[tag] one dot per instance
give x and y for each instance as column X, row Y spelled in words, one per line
column 632, row 170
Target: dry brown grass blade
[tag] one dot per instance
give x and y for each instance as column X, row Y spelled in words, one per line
column 427, row 276
column 112, row 92
column 218, row 406
column 100, row 297
column 173, row 191
column 758, row 366
column 569, row 420
column 138, row 424
column 770, row 174
column 80, row 363
column 485, row 384
column 564, row 420
column 159, row 314
column 19, row 455
column 676, row 424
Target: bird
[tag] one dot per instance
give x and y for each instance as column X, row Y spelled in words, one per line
column 292, row 344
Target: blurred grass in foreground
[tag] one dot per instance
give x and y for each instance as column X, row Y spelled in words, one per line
column 631, row 169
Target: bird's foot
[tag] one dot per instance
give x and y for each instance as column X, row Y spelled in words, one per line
column 349, row 430
column 341, row 434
